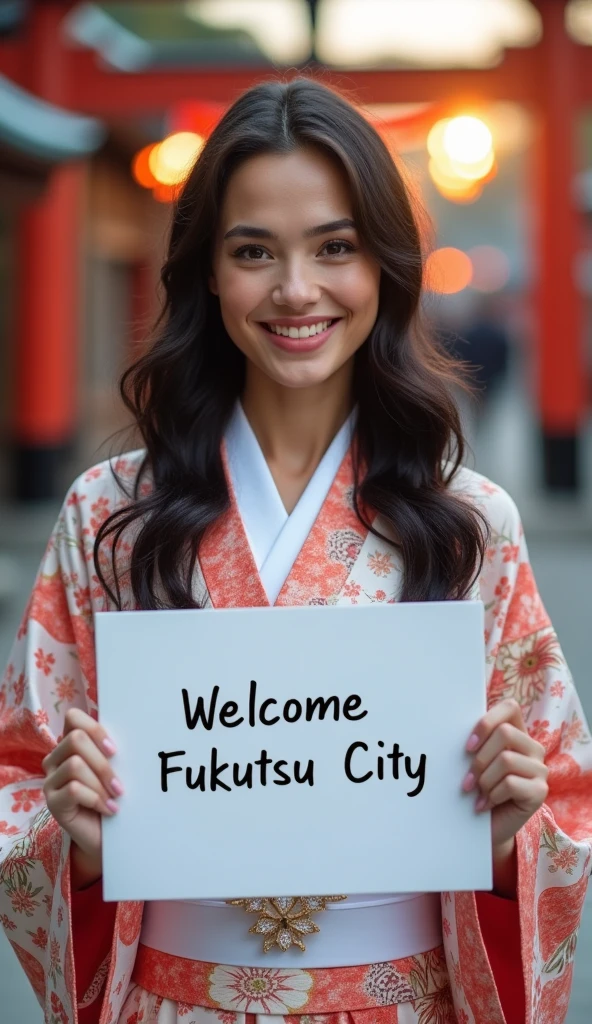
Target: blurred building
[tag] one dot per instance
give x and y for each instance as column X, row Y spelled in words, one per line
column 85, row 87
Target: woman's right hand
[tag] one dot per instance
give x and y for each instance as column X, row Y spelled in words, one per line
column 79, row 788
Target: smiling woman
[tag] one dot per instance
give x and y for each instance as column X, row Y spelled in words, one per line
column 296, row 218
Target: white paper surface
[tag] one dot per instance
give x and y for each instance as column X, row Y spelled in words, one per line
column 419, row 671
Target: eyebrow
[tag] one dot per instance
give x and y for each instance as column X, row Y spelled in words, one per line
column 248, row 231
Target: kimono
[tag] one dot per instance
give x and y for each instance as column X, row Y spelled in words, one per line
column 500, row 960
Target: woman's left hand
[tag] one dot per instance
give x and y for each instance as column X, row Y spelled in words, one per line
column 508, row 770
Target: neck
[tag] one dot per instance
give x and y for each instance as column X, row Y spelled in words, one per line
column 295, row 426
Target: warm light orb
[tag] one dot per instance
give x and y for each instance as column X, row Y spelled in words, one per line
column 141, row 167
column 172, row 159
column 448, row 271
column 435, row 139
column 467, row 140
column 462, row 157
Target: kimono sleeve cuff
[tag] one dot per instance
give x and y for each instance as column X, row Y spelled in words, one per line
column 499, row 920
column 93, row 924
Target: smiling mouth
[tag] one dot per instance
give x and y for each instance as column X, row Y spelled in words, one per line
column 306, row 331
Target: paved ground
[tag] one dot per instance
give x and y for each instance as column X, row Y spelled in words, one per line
column 560, row 541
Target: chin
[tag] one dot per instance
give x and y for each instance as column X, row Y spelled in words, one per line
column 296, row 377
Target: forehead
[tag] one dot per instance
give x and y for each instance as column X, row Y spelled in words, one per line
column 284, row 190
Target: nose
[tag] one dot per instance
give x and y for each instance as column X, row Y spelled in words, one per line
column 296, row 286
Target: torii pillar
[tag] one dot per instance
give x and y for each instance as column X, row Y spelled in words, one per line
column 562, row 385
column 47, row 291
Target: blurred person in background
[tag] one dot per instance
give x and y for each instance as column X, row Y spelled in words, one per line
column 484, row 346
column 290, row 382
column 480, row 341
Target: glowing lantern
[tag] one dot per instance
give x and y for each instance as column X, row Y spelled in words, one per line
column 448, row 271
column 172, row 159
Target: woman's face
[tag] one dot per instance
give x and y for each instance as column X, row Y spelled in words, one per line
column 298, row 293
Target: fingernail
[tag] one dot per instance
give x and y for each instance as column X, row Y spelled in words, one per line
column 108, row 746
column 481, row 802
column 468, row 782
column 473, row 742
column 116, row 786
column 111, row 806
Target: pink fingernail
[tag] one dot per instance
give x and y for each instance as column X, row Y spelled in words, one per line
column 473, row 742
column 116, row 786
column 111, row 806
column 481, row 802
column 468, row 782
column 108, row 747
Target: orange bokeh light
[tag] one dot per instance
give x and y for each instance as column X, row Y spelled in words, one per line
column 448, row 271
column 141, row 167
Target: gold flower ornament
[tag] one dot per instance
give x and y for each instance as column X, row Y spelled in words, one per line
column 284, row 920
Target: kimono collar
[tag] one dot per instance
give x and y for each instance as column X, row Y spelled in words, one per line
column 276, row 537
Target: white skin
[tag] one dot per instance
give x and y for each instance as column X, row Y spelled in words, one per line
column 296, row 401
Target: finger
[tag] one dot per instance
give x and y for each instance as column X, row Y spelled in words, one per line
column 74, row 795
column 527, row 794
column 75, row 769
column 505, row 711
column 505, row 737
column 510, row 763
column 77, row 719
column 79, row 744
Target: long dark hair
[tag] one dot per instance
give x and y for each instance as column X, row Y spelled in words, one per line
column 182, row 391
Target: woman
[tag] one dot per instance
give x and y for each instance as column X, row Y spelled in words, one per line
column 301, row 447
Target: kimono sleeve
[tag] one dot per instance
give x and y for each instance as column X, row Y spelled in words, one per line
column 554, row 847
column 51, row 669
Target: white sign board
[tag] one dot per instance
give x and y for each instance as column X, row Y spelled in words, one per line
column 309, row 750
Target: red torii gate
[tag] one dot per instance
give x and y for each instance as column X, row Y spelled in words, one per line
column 553, row 79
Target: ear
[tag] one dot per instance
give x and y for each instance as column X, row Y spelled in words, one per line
column 213, row 284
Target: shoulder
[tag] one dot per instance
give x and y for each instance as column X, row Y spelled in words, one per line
column 494, row 502
column 100, row 490
column 112, row 480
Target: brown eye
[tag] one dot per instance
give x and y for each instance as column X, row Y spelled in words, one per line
column 337, row 248
column 255, row 253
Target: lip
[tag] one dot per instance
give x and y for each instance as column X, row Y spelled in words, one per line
column 296, row 345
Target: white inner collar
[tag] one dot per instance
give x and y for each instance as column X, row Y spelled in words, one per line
column 275, row 538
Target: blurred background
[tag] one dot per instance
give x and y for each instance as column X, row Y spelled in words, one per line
column 103, row 106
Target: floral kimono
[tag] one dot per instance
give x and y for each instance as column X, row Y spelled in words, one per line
column 501, row 960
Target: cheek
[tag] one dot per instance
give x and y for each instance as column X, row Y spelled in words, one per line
column 360, row 290
column 240, row 293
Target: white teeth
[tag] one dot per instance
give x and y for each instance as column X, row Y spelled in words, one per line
column 300, row 332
